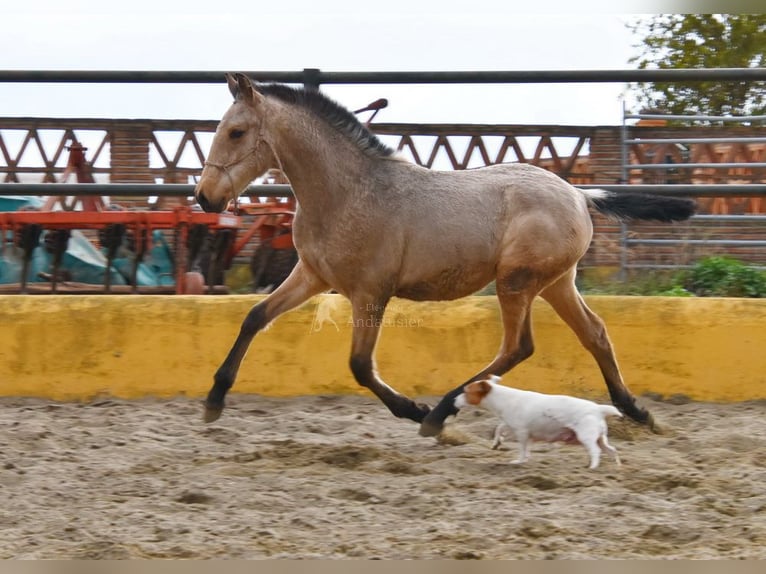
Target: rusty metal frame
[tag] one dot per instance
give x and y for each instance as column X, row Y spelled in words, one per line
column 181, row 218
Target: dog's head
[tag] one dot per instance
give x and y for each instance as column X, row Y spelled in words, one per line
column 474, row 393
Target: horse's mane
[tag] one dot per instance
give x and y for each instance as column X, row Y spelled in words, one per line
column 332, row 113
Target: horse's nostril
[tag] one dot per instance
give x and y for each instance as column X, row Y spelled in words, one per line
column 203, row 202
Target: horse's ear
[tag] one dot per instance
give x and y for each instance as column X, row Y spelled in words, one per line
column 242, row 88
column 233, row 87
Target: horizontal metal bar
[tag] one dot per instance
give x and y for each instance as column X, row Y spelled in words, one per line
column 686, row 190
column 315, row 76
column 722, row 165
column 668, row 266
column 682, row 117
column 730, row 218
column 656, row 266
column 283, row 190
column 138, row 76
column 693, row 140
column 25, row 123
column 98, row 219
column 722, row 242
column 130, row 189
column 103, row 124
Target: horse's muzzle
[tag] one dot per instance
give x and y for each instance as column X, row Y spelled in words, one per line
column 206, row 204
column 203, row 202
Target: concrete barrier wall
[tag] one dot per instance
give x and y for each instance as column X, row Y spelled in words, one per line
column 77, row 347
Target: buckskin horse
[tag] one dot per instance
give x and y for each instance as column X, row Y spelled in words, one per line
column 372, row 226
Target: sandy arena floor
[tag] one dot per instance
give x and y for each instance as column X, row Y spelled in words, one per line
column 338, row 477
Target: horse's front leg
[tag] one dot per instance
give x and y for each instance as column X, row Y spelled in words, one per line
column 367, row 317
column 517, row 346
column 299, row 286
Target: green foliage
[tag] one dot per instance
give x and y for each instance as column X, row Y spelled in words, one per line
column 670, row 41
column 710, row 277
column 675, row 291
column 725, row 277
column 239, row 280
column 490, row 289
column 639, row 283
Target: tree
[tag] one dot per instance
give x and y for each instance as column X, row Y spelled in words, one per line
column 701, row 41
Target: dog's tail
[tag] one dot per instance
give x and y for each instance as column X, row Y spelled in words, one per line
column 609, row 410
column 642, row 206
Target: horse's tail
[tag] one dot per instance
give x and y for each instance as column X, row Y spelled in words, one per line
column 628, row 205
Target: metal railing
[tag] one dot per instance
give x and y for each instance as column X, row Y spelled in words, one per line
column 313, row 78
column 284, row 190
column 688, row 168
column 172, row 151
column 316, row 77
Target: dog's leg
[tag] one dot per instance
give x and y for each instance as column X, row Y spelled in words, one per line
column 498, row 439
column 604, row 443
column 589, row 438
column 595, row 455
column 523, row 449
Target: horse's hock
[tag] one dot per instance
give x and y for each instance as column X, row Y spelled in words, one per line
column 76, row 347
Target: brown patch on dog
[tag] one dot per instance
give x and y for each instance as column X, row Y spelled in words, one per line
column 476, row 391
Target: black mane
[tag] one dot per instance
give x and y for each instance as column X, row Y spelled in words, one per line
column 331, row 112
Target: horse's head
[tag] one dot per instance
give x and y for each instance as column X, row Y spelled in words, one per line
column 239, row 152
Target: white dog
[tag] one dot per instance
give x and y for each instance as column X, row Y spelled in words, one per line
column 536, row 416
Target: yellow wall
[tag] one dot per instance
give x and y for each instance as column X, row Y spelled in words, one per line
column 76, row 347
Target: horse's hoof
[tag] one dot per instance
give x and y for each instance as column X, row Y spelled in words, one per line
column 429, row 428
column 212, row 413
column 424, row 410
column 654, row 426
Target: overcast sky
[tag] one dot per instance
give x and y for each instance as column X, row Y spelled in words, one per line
column 331, row 35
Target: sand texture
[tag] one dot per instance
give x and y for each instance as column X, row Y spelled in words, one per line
column 339, row 477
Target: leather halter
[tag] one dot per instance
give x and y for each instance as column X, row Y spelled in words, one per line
column 224, row 167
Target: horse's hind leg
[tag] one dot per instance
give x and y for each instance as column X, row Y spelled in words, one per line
column 515, row 293
column 590, row 329
column 299, row 286
column 367, row 318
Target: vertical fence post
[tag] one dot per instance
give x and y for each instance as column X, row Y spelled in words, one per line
column 311, row 79
column 623, row 275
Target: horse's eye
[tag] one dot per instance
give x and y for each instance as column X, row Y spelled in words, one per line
column 236, row 134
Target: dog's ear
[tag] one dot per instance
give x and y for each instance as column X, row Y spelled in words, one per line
column 471, row 396
column 476, row 391
column 483, row 387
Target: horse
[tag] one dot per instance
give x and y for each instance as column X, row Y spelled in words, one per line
column 371, row 225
